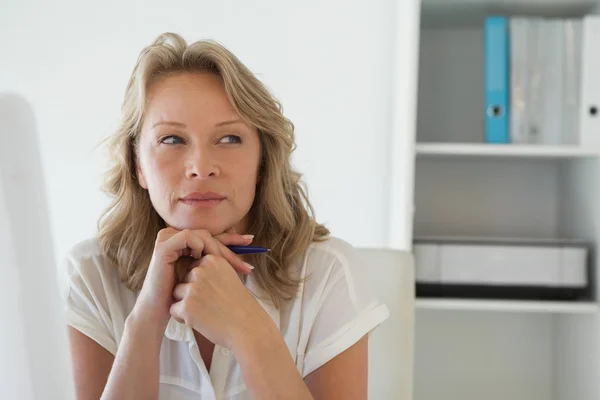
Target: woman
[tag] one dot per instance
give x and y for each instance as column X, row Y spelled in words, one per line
column 158, row 306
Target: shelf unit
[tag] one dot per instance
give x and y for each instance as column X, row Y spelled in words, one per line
column 471, row 349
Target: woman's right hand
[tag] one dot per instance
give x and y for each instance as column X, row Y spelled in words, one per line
column 156, row 296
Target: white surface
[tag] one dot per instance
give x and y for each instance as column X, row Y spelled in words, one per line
column 34, row 356
column 577, row 362
column 331, row 64
column 391, row 353
column 578, row 339
column 404, row 119
column 512, row 150
column 553, row 307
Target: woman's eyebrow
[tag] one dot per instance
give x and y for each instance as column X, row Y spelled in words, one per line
column 229, row 122
column 174, row 123
column 182, row 125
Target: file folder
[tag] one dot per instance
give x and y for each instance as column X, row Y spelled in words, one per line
column 496, row 79
column 589, row 113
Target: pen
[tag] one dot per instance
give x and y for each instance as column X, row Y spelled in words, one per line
column 247, row 249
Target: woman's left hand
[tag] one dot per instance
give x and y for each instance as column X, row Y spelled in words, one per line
column 214, row 301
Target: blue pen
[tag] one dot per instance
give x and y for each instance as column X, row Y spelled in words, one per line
column 248, row 249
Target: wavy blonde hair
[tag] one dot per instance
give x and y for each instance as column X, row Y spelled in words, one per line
column 281, row 216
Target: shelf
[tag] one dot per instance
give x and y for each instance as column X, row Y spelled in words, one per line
column 522, row 306
column 502, row 150
column 436, row 13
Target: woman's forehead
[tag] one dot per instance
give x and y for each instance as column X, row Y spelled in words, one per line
column 189, row 98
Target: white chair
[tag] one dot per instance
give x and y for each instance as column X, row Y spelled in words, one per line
column 391, row 274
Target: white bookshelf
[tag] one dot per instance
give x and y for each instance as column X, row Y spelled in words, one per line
column 471, row 349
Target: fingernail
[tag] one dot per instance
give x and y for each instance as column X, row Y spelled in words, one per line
column 248, row 237
column 248, row 265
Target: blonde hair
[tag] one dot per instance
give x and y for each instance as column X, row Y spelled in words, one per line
column 281, row 216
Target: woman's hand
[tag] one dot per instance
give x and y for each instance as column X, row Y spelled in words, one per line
column 156, row 296
column 214, row 301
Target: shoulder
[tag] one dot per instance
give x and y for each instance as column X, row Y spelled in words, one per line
column 83, row 257
column 96, row 302
column 85, row 249
column 337, row 302
column 333, row 255
column 334, row 247
column 84, row 266
column 334, row 265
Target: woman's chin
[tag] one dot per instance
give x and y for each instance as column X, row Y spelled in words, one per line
column 214, row 228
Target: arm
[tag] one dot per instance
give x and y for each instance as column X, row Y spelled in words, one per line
column 344, row 377
column 136, row 369
column 91, row 365
column 132, row 374
column 267, row 366
column 269, row 371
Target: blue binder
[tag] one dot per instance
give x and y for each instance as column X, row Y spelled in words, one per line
column 496, row 79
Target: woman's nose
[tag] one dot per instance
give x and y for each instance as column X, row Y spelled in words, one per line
column 201, row 164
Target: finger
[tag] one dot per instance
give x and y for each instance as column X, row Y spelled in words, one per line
column 194, row 273
column 228, row 238
column 211, row 245
column 177, row 245
column 165, row 234
column 229, row 258
column 177, row 311
column 215, row 247
column 181, row 291
column 236, row 262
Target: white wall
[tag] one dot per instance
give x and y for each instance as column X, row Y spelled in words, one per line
column 331, row 63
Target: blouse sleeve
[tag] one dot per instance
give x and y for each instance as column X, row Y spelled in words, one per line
column 85, row 298
column 344, row 307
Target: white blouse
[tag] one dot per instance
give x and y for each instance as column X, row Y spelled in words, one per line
column 332, row 310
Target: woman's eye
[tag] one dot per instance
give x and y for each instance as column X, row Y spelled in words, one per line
column 230, row 139
column 171, row 140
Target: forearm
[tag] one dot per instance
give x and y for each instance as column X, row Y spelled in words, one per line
column 135, row 372
column 267, row 366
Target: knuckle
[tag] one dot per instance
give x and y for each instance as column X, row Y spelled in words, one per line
column 195, row 274
column 213, row 262
column 160, row 237
column 186, row 306
column 164, row 234
column 190, row 235
column 203, row 233
column 210, row 259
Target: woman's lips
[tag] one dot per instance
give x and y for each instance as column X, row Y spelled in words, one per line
column 202, row 199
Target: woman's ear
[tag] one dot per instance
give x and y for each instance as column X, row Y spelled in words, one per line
column 140, row 176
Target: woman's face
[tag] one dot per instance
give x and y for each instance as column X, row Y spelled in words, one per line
column 197, row 159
